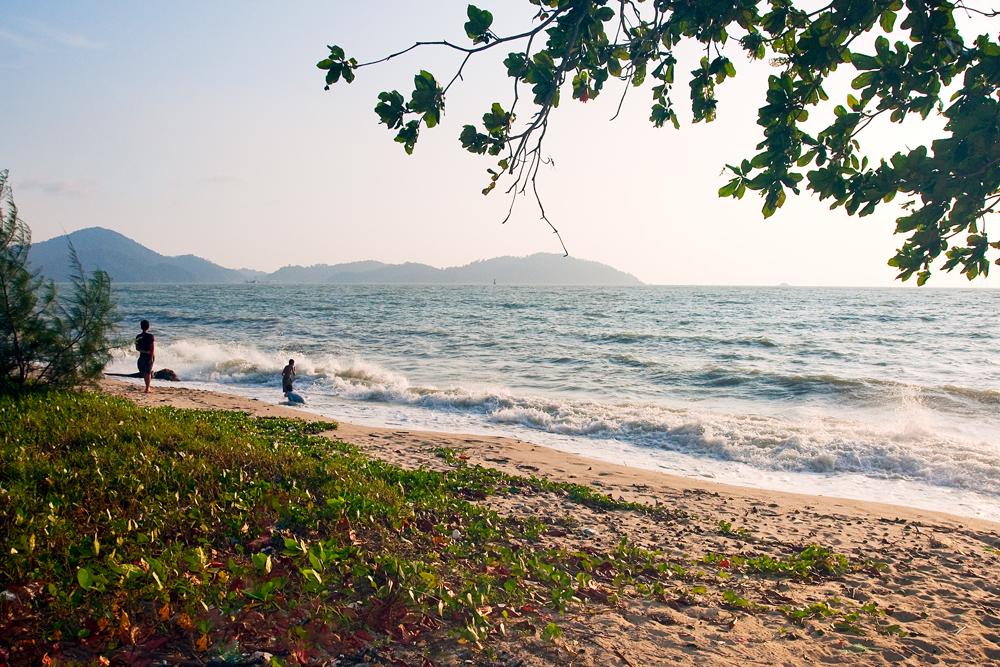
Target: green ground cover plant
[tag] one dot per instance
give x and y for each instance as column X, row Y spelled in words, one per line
column 138, row 534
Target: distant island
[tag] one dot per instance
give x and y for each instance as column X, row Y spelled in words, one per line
column 129, row 262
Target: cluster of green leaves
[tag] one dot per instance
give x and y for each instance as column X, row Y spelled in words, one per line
column 953, row 182
column 726, row 528
column 847, row 621
column 337, row 66
column 47, row 338
column 814, row 561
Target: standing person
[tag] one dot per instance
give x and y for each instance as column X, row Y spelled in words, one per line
column 146, row 344
column 288, row 377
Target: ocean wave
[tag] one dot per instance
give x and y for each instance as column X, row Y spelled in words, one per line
column 899, row 436
column 635, row 337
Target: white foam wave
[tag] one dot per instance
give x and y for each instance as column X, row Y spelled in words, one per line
column 230, row 363
column 901, row 439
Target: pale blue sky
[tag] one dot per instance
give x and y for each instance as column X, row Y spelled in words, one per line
column 204, row 128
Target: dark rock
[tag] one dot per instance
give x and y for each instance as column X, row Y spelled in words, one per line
column 166, row 374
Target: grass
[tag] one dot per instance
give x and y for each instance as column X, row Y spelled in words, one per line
column 139, row 534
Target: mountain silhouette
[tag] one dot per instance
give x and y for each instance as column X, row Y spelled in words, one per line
column 129, row 262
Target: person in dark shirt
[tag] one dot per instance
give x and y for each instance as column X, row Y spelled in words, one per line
column 288, row 377
column 145, row 343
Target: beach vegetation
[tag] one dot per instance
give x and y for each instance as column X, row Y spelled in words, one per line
column 491, row 481
column 726, row 528
column 905, row 60
column 133, row 533
column 841, row 619
column 813, row 561
column 733, row 600
column 48, row 338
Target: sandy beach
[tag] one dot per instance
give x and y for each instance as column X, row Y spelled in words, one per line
column 931, row 576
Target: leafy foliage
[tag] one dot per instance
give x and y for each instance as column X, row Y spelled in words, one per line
column 953, row 182
column 45, row 340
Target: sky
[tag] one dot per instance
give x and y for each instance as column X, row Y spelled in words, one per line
column 204, row 128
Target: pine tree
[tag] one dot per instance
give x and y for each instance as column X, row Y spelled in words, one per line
column 46, row 340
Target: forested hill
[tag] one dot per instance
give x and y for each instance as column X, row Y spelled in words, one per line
column 128, row 261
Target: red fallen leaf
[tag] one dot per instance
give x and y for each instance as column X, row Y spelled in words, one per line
column 529, row 609
column 364, row 636
column 724, row 564
column 216, row 564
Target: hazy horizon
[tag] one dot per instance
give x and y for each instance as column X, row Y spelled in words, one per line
column 205, row 130
column 910, row 284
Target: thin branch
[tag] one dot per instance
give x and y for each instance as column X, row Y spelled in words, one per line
column 621, row 102
column 466, row 49
column 991, row 13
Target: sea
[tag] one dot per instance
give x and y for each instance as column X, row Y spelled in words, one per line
column 889, row 395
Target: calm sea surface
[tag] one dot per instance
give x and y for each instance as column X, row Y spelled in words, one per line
column 884, row 394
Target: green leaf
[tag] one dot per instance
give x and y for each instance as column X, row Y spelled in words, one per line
column 863, row 80
column 407, row 136
column 887, row 20
column 729, row 189
column 861, row 61
column 85, row 578
column 333, row 73
column 478, row 26
column 390, row 109
column 426, row 98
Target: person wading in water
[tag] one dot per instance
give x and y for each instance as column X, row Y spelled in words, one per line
column 146, row 344
column 288, row 377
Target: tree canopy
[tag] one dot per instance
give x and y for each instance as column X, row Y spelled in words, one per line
column 951, row 184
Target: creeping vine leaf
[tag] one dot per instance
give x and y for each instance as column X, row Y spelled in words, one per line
column 951, row 184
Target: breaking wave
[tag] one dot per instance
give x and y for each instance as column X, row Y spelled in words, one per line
column 895, row 436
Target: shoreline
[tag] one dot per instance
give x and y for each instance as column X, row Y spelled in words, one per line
column 917, row 588
column 531, row 458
